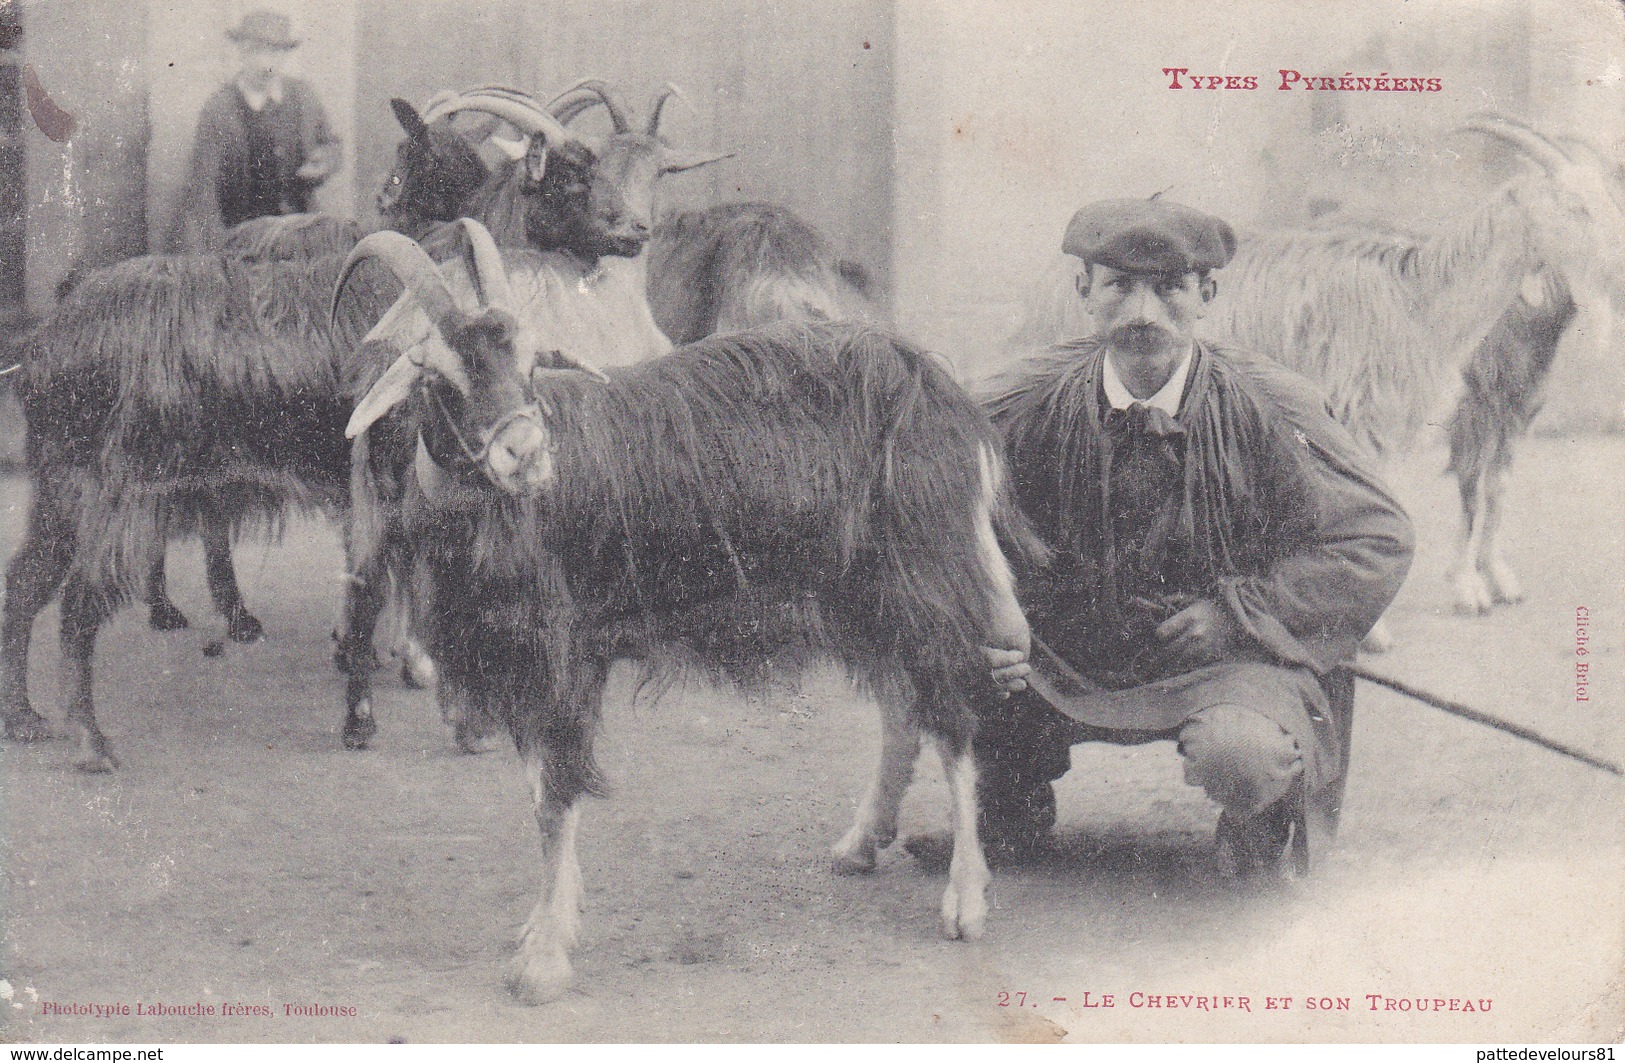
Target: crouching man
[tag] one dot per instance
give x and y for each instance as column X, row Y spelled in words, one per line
column 1220, row 545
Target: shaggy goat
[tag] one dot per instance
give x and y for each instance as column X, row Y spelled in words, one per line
column 1385, row 321
column 771, row 495
column 296, row 238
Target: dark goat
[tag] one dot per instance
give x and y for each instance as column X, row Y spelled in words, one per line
column 773, row 495
column 736, row 265
column 437, row 171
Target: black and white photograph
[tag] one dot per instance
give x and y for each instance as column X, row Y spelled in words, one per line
column 775, row 521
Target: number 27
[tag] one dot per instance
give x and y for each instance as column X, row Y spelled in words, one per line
column 1021, row 999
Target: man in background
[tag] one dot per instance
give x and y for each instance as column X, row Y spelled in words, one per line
column 263, row 143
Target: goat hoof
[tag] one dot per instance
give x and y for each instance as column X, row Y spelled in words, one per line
column 467, row 736
column 418, row 673
column 539, row 980
column 96, row 763
column 963, row 918
column 28, row 726
column 244, row 627
column 358, row 731
column 164, row 616
column 854, row 859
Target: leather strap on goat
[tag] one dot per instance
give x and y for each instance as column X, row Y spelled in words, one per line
column 1455, row 708
column 477, row 458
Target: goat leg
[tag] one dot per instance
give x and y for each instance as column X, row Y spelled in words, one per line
column 162, row 614
column 32, row 579
column 83, row 609
column 1503, row 583
column 875, row 825
column 241, row 625
column 469, row 723
column 418, row 670
column 363, row 601
column 1473, row 595
column 964, row 903
column 541, row 969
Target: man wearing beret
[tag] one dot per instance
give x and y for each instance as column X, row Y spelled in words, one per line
column 1220, row 544
column 263, row 143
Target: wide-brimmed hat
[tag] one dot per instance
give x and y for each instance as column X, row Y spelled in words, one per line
column 264, row 27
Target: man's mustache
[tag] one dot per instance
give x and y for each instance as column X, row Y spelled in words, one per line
column 1140, row 334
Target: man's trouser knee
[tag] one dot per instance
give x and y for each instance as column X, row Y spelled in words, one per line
column 1243, row 759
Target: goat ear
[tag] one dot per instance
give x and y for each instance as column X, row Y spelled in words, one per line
column 427, row 356
column 389, row 392
column 409, row 119
column 678, row 161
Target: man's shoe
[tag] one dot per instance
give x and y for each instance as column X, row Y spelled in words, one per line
column 1255, row 847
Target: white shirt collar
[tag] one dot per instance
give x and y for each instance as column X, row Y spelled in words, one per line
column 257, row 99
column 1166, row 399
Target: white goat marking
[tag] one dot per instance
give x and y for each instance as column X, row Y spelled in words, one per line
column 964, row 903
column 541, row 968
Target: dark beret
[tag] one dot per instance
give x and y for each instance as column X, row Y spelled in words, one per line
column 1149, row 236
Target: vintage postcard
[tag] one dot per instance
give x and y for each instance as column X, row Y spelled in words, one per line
column 1211, row 817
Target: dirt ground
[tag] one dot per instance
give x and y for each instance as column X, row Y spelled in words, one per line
column 241, row 857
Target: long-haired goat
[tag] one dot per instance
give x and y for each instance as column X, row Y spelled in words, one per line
column 282, row 238
column 165, row 394
column 771, row 495
column 1385, row 321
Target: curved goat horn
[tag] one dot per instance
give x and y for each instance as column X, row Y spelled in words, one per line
column 601, row 93
column 524, row 115
column 410, row 264
column 1526, row 140
column 489, row 273
column 666, row 92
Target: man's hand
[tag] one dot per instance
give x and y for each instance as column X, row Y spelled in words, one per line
column 1203, row 632
column 1009, row 669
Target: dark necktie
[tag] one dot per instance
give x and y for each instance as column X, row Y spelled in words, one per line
column 1139, row 420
